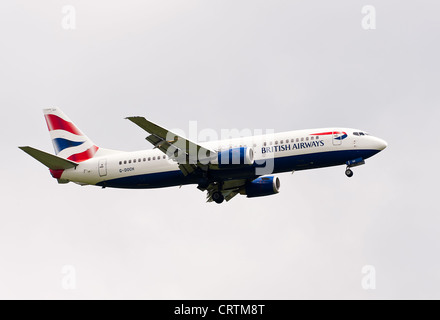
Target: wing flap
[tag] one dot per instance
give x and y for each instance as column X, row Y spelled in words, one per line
column 229, row 189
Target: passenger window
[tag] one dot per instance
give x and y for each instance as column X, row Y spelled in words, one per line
column 264, row 144
column 164, row 157
column 302, row 139
column 125, row 162
column 297, row 139
column 270, row 142
column 145, row 159
column 129, row 161
column 154, row 158
column 307, row 138
column 149, row 158
column 134, row 161
column 139, row 160
column 276, row 142
column 120, row 162
column 312, row 138
column 292, row 140
column 317, row 137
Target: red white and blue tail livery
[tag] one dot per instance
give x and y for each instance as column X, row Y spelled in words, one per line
column 68, row 141
column 223, row 168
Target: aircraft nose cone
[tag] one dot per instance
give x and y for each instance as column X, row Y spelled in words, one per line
column 381, row 144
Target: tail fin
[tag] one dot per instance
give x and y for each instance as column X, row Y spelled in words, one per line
column 68, row 141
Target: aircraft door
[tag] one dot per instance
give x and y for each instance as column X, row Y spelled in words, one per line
column 102, row 167
column 337, row 138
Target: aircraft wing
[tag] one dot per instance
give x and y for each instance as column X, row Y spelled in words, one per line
column 185, row 152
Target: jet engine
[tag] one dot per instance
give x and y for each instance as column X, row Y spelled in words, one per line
column 262, row 186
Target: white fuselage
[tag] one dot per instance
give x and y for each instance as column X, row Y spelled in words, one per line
column 293, row 150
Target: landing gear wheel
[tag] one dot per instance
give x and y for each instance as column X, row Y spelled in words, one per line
column 218, row 197
column 349, row 173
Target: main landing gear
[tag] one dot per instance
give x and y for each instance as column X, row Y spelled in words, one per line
column 218, row 197
column 349, row 173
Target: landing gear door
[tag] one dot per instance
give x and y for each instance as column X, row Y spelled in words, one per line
column 337, row 138
column 102, row 167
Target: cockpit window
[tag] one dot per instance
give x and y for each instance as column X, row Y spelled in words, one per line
column 360, row 134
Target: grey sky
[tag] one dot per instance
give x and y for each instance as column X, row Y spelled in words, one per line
column 280, row 65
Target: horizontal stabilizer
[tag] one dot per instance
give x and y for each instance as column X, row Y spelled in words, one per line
column 49, row 160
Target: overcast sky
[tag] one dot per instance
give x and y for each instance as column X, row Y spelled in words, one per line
column 281, row 65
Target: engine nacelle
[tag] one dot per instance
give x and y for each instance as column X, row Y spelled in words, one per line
column 262, row 186
column 233, row 158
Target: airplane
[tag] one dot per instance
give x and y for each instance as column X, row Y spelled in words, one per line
column 223, row 168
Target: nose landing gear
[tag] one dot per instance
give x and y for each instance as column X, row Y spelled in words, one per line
column 351, row 164
column 349, row 173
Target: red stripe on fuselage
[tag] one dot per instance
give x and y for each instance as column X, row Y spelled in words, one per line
column 56, row 123
column 326, row 133
column 322, row 134
column 83, row 156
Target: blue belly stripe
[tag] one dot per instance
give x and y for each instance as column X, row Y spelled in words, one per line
column 146, row 181
column 281, row 164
